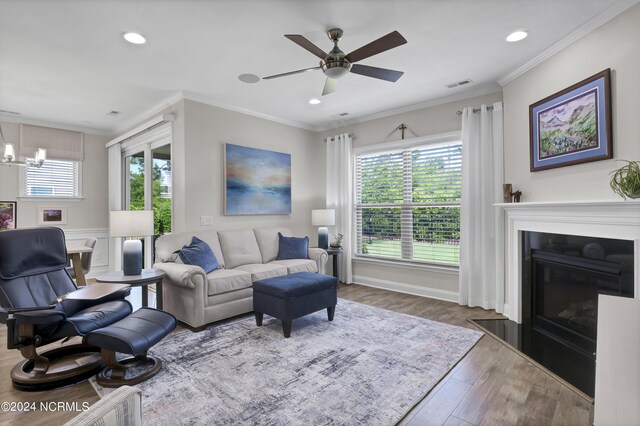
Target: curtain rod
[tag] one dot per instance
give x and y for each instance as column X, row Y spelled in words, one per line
column 476, row 110
column 332, row 138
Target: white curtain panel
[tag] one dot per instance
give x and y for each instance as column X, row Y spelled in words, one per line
column 340, row 197
column 481, row 225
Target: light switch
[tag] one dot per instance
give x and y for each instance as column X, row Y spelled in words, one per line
column 206, row 220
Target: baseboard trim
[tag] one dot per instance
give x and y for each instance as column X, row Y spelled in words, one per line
column 433, row 293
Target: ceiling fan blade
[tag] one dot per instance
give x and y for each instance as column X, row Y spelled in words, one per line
column 391, row 40
column 306, row 44
column 284, row 74
column 329, row 86
column 381, row 73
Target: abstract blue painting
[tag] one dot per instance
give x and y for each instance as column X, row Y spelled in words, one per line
column 257, row 181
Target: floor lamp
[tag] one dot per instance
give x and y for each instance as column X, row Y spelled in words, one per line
column 323, row 218
column 131, row 223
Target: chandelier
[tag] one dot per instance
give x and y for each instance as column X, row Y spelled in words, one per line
column 9, row 158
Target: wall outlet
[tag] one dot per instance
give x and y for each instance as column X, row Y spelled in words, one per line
column 206, row 220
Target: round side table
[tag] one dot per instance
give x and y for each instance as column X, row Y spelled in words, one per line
column 146, row 278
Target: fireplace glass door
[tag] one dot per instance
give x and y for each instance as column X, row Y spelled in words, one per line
column 565, row 296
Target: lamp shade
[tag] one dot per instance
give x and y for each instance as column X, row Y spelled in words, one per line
column 131, row 223
column 9, row 153
column 324, row 217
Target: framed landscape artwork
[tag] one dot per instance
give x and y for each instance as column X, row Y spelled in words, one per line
column 256, row 181
column 8, row 212
column 52, row 215
column 572, row 126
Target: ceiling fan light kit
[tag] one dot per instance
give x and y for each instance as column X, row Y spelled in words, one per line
column 336, row 64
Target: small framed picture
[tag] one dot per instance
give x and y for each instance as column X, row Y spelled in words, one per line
column 52, row 215
column 572, row 126
column 8, row 214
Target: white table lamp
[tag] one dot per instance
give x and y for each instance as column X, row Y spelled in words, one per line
column 131, row 223
column 322, row 219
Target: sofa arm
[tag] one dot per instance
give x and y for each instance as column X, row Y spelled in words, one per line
column 122, row 406
column 320, row 256
column 179, row 274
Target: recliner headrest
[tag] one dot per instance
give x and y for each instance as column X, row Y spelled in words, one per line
column 25, row 252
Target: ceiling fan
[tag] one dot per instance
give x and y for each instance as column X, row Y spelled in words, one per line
column 336, row 64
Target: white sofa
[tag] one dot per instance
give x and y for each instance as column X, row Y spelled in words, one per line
column 245, row 255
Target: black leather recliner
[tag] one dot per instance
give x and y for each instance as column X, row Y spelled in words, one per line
column 32, row 280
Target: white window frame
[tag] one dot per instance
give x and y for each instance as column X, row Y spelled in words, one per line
column 406, row 144
column 22, row 176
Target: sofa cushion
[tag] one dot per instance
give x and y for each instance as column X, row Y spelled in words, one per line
column 293, row 248
column 226, row 280
column 260, row 271
column 268, row 241
column 200, row 254
column 167, row 244
column 297, row 265
column 239, row 248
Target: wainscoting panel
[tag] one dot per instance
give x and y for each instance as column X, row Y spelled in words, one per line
column 100, row 262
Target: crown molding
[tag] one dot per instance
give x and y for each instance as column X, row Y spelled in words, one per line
column 149, row 114
column 212, row 102
column 186, row 95
column 479, row 91
column 602, row 18
column 19, row 119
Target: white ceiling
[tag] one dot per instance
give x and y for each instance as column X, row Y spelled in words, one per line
column 65, row 61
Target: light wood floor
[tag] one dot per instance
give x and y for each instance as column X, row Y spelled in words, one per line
column 491, row 385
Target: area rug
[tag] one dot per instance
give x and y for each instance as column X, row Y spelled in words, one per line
column 367, row 367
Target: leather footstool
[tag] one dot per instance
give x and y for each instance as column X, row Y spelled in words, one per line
column 292, row 296
column 135, row 335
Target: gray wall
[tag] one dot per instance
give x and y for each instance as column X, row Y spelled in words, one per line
column 425, row 122
column 614, row 45
column 199, row 155
column 89, row 213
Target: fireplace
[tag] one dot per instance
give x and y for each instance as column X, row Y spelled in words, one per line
column 559, row 256
column 562, row 278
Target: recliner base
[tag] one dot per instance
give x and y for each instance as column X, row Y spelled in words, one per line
column 113, row 375
column 67, row 365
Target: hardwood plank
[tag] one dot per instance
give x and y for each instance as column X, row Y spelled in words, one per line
column 478, row 360
column 454, row 421
column 540, row 406
column 439, row 408
column 571, row 409
column 479, row 399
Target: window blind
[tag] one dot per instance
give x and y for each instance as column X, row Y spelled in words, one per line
column 408, row 204
column 53, row 179
column 60, row 144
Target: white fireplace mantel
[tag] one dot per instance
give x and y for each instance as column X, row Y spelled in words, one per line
column 619, row 219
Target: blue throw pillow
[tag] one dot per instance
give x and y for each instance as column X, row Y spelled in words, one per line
column 200, row 254
column 293, row 248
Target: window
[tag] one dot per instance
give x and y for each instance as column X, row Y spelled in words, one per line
column 53, row 179
column 407, row 204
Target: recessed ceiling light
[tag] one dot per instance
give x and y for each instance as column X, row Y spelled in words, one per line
column 314, row 101
column 248, row 78
column 517, row 36
column 134, row 38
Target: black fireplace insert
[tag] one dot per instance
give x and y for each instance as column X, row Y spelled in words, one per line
column 562, row 276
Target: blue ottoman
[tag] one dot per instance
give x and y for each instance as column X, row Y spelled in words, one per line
column 135, row 335
column 292, row 296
